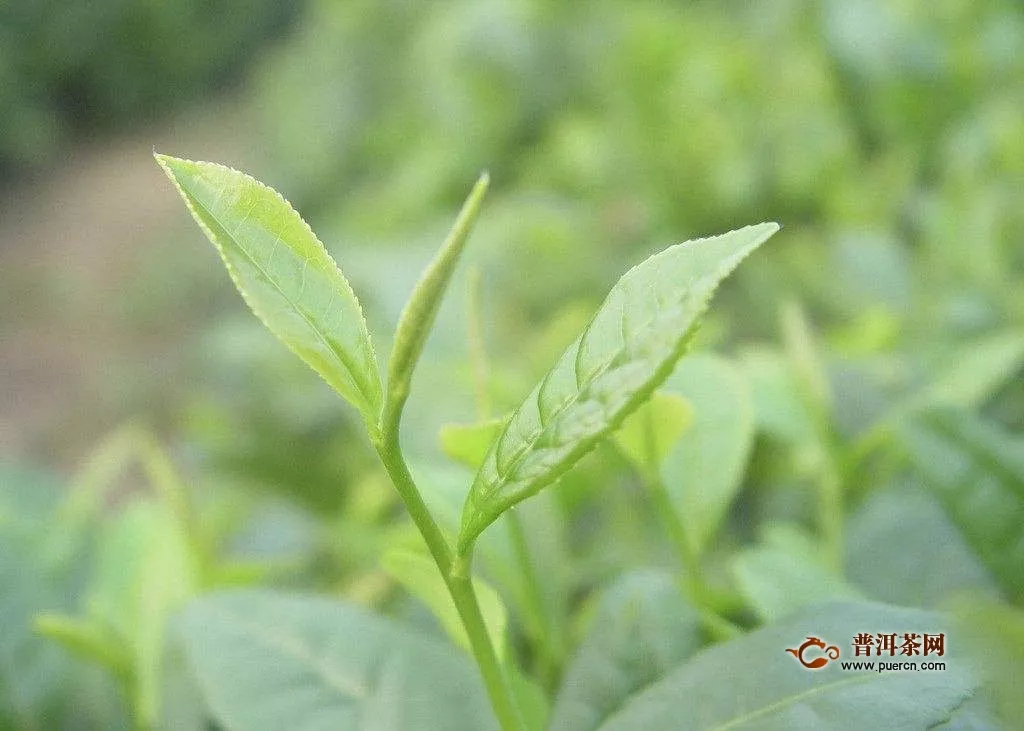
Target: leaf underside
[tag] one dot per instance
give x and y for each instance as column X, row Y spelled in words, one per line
column 285, row 275
column 752, row 684
column 277, row 662
column 627, row 349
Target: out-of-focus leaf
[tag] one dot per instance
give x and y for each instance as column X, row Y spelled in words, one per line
column 977, row 471
column 421, row 577
column 753, row 684
column 902, row 549
column 624, row 353
column 285, row 275
column 648, row 434
column 972, row 715
column 974, row 373
column 468, row 443
column 994, row 634
column 705, row 467
column 783, row 576
column 87, row 639
column 278, row 662
column 777, row 405
column 642, row 628
column 32, row 674
column 146, row 572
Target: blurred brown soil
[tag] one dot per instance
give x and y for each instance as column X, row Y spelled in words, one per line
column 72, row 243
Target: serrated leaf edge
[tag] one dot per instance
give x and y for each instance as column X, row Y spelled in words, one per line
column 370, row 404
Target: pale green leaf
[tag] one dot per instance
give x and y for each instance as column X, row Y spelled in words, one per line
column 418, row 573
column 642, row 629
column 704, row 469
column 782, row 576
column 753, row 684
column 467, row 444
column 420, row 311
column 778, row 408
column 994, row 634
column 146, row 572
column 85, row 638
column 278, row 663
column 285, row 275
column 623, row 354
column 649, row 433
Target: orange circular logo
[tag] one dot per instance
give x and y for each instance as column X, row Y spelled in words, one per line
column 831, row 652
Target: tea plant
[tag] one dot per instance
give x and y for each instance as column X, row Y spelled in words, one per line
column 267, row 660
column 539, row 586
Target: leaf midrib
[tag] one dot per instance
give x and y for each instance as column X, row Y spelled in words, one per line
column 351, row 689
column 576, row 398
column 736, row 722
column 339, row 353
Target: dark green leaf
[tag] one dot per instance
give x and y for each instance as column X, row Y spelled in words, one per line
column 902, row 549
column 642, row 629
column 977, row 471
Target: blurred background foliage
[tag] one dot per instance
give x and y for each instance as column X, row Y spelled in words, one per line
column 886, row 136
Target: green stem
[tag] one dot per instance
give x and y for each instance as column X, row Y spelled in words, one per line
column 394, row 463
column 461, row 588
column 696, row 589
column 830, row 509
column 457, row 578
column 549, row 656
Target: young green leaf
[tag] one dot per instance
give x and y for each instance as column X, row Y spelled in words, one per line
column 627, row 349
column 418, row 316
column 278, row 662
column 643, row 629
column 285, row 275
column 753, row 684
